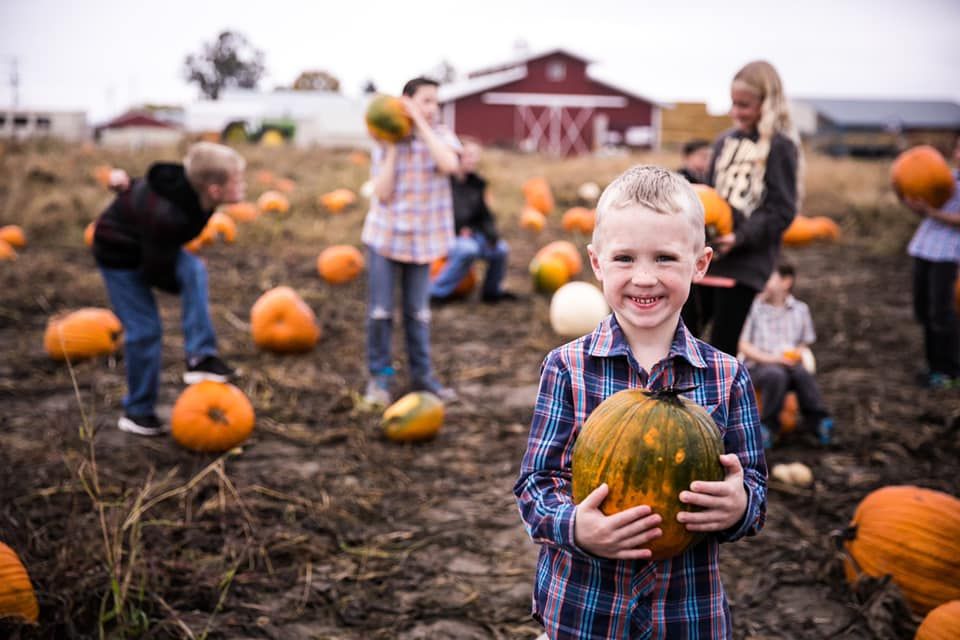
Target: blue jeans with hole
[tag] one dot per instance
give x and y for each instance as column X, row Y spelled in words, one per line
column 133, row 301
column 382, row 273
column 465, row 251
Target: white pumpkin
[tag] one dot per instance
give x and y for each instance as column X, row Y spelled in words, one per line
column 796, row 474
column 366, row 189
column 589, row 191
column 807, row 359
column 577, row 308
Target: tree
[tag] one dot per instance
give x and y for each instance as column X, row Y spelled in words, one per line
column 443, row 72
column 316, row 80
column 230, row 61
column 369, row 86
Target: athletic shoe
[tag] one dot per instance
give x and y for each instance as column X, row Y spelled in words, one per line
column 149, row 425
column 207, row 368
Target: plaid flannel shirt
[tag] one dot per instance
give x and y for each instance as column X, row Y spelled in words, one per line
column 416, row 224
column 579, row 595
column 775, row 329
column 937, row 241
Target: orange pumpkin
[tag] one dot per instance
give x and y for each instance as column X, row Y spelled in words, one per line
column 537, row 193
column 943, row 623
column 211, row 417
column 85, row 333
column 825, row 228
column 921, row 173
column 387, row 119
column 273, row 202
column 532, row 220
column 222, row 226
column 337, row 200
column 241, row 211
column 911, row 534
column 17, row 598
column 7, row 252
column 359, row 159
column 801, row 232
column 789, row 415
column 265, row 178
column 13, row 235
column 717, row 214
column 285, row 185
column 549, row 272
column 648, row 446
column 88, row 232
column 579, row 219
column 567, row 251
column 340, row 263
column 464, row 287
column 101, row 173
column 281, row 321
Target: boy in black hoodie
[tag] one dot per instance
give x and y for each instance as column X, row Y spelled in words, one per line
column 477, row 236
column 138, row 246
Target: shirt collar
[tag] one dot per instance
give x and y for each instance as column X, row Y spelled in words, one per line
column 608, row 340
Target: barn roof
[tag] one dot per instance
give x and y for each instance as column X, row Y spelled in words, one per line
column 135, row 119
column 495, row 76
column 919, row 114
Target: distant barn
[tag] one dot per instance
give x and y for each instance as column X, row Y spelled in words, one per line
column 137, row 129
column 876, row 127
column 548, row 102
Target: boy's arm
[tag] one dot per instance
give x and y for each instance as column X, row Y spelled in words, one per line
column 742, row 437
column 448, row 162
column 756, row 354
column 922, row 208
column 384, row 169
column 544, row 489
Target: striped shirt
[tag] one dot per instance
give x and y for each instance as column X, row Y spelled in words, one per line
column 416, row 225
column 579, row 595
column 937, row 241
column 776, row 329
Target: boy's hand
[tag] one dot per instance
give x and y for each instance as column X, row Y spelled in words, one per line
column 723, row 502
column 414, row 112
column 618, row 537
column 118, row 181
column 918, row 206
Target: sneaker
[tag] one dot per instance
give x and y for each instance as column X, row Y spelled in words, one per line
column 149, row 425
column 936, row 380
column 500, row 296
column 207, row 368
column 378, row 391
column 446, row 394
column 825, row 430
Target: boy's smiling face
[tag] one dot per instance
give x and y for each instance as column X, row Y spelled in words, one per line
column 646, row 262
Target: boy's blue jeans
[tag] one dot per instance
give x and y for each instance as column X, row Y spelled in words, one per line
column 415, row 288
column 465, row 250
column 133, row 301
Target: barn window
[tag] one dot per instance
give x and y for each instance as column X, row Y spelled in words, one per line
column 19, row 122
column 556, row 71
column 3, row 120
column 43, row 123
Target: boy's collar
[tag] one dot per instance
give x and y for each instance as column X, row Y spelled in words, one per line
column 608, row 340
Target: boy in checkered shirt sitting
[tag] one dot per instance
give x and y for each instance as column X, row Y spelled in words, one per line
column 594, row 575
column 778, row 328
column 409, row 225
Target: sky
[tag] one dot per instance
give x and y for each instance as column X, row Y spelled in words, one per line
column 103, row 56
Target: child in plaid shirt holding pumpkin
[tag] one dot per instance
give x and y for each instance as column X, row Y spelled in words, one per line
column 777, row 329
column 409, row 225
column 594, row 576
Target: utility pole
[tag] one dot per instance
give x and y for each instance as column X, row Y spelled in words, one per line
column 14, row 83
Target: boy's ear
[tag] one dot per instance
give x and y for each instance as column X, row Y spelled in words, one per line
column 595, row 263
column 702, row 263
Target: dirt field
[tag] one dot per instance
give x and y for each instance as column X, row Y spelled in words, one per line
column 320, row 528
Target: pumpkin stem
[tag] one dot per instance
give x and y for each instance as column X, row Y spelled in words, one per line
column 840, row 536
column 670, row 394
column 218, row 415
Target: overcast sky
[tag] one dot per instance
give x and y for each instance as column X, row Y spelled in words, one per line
column 103, row 56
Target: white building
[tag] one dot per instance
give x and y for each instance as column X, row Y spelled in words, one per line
column 321, row 118
column 33, row 123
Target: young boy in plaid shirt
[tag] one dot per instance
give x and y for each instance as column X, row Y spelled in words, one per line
column 594, row 576
column 409, row 225
column 777, row 328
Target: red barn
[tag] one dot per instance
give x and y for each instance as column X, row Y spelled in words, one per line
column 548, row 102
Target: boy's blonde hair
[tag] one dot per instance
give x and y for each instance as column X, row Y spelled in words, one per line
column 762, row 78
column 209, row 163
column 654, row 188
